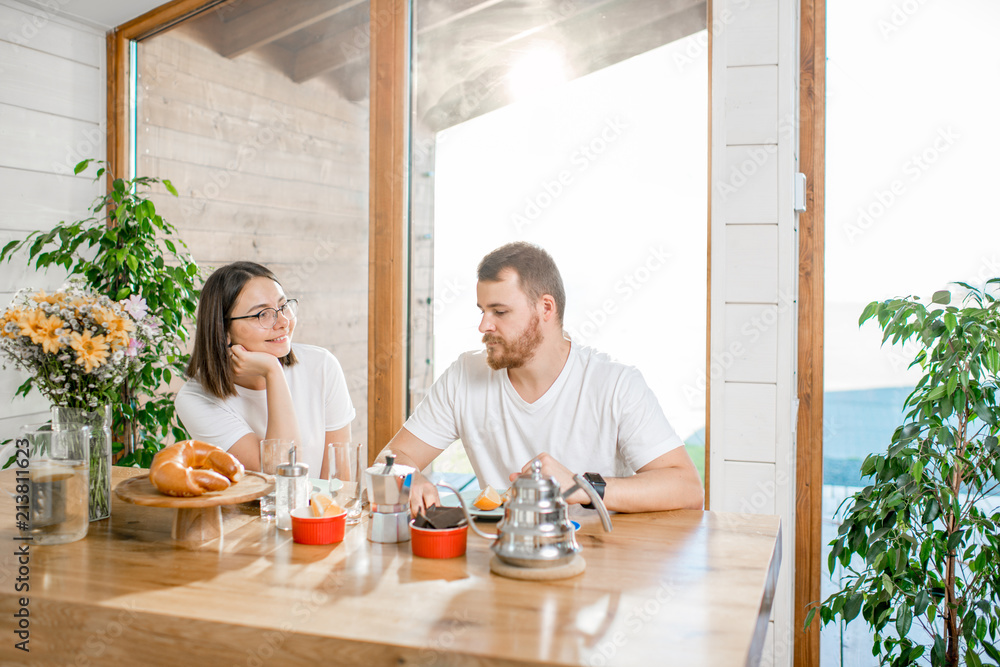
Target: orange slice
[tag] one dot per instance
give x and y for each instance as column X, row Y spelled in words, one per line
column 321, row 503
column 488, row 499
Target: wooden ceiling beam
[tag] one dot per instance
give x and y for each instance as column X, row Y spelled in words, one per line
column 347, row 42
column 626, row 28
column 275, row 20
column 432, row 19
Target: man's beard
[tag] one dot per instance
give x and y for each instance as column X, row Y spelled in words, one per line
column 515, row 353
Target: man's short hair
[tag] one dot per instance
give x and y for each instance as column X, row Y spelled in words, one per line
column 536, row 271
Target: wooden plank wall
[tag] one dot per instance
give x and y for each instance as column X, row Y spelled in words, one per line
column 51, row 117
column 268, row 171
column 754, row 279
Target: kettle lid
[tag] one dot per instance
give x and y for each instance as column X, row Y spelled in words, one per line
column 544, row 485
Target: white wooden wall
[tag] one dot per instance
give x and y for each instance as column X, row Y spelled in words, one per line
column 755, row 276
column 52, row 115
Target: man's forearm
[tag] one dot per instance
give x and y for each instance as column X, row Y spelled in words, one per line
column 654, row 491
column 402, row 458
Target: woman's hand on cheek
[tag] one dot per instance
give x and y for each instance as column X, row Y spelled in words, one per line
column 249, row 364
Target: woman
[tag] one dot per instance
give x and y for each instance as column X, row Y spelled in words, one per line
column 248, row 382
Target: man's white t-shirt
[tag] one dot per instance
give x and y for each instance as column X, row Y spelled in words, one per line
column 319, row 394
column 598, row 416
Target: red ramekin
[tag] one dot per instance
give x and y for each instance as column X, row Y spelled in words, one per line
column 433, row 543
column 309, row 529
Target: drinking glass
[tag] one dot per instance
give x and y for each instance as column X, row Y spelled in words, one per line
column 344, row 460
column 58, row 482
column 273, row 453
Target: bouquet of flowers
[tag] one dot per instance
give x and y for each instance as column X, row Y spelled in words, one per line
column 77, row 346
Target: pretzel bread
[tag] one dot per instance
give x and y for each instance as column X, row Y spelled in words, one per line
column 191, row 468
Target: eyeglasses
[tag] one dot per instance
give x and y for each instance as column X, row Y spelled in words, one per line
column 268, row 317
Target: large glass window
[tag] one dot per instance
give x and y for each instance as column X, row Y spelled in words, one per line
column 581, row 127
column 911, row 138
column 257, row 111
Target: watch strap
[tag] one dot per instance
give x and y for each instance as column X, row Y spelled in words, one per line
column 596, row 481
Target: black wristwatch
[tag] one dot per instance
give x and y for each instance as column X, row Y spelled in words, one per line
column 598, row 483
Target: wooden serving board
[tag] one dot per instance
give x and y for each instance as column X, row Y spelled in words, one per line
column 197, row 519
column 140, row 491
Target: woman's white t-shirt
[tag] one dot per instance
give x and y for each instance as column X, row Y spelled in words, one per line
column 319, row 394
column 598, row 416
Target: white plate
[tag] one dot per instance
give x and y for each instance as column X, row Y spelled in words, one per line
column 469, row 495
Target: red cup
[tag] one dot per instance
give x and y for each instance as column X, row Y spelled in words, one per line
column 433, row 543
column 309, row 529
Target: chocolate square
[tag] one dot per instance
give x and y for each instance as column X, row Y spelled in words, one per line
column 440, row 518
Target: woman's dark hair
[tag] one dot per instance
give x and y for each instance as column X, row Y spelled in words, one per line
column 210, row 358
column 536, row 271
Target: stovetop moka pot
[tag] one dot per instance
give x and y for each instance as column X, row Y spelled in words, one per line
column 389, row 499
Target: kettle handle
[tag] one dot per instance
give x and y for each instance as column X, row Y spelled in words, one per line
column 465, row 509
column 598, row 503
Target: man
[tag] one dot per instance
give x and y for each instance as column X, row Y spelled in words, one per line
column 537, row 394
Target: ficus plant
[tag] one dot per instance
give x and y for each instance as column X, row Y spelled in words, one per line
column 125, row 249
column 920, row 544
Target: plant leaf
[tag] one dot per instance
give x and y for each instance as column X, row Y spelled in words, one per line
column 852, row 607
column 904, row 618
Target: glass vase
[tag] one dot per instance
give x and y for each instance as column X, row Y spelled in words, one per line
column 99, row 420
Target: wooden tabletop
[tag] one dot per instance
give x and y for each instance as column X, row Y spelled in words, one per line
column 681, row 588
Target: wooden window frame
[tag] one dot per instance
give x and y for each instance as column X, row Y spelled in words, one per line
column 388, row 205
column 809, row 431
column 388, row 187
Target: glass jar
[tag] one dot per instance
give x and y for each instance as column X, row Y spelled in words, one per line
column 291, row 490
column 99, row 421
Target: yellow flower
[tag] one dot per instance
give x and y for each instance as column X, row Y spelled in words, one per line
column 46, row 333
column 118, row 339
column 42, row 297
column 116, row 326
column 91, row 351
column 13, row 314
column 41, row 329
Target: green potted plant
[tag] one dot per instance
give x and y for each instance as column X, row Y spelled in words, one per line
column 920, row 545
column 128, row 253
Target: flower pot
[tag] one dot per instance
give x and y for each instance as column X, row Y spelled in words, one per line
column 99, row 421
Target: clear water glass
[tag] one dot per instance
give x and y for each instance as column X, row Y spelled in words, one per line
column 344, row 460
column 58, row 488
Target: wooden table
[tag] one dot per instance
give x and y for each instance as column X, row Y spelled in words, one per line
column 681, row 588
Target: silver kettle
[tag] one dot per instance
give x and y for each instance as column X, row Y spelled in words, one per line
column 535, row 530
